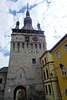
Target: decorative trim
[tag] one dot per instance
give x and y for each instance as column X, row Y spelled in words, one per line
column 48, row 63
column 27, row 31
column 51, row 81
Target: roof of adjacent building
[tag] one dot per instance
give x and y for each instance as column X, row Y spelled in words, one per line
column 59, row 43
column 44, row 53
column 4, row 69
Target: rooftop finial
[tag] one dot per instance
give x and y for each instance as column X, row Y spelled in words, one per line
column 27, row 6
column 27, row 13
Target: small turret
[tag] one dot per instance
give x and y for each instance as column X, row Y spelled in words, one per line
column 17, row 25
column 38, row 26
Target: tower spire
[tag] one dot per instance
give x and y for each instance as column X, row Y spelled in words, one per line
column 28, row 20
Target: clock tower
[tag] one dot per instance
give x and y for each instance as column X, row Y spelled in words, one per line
column 24, row 78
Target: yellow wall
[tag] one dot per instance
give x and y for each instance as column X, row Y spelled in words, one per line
column 63, row 60
column 52, row 81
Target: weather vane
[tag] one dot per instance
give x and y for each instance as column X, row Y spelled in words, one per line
column 27, row 6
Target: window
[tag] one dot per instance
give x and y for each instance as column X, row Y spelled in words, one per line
column 58, row 55
column 66, row 47
column 13, row 46
column 22, row 45
column 49, row 88
column 26, row 39
column 47, row 74
column 20, row 75
column 33, row 60
column 36, row 46
column 62, row 69
column 42, row 63
column 46, row 91
column 31, row 46
column 3, row 91
column 40, row 46
column 0, row 80
column 18, row 46
column 27, row 45
column 65, row 91
column 44, row 76
column 45, row 60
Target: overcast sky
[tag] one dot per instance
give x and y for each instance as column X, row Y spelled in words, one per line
column 51, row 14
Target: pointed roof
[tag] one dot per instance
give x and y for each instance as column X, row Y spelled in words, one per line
column 27, row 21
column 27, row 28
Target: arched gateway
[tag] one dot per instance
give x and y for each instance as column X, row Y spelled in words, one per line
column 20, row 93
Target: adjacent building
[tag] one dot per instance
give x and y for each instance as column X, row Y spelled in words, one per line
column 24, row 71
column 59, row 52
column 50, row 81
column 3, row 77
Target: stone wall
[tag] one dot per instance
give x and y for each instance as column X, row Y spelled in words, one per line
column 24, row 64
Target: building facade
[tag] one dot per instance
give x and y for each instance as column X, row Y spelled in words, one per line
column 3, row 77
column 59, row 52
column 24, row 71
column 51, row 86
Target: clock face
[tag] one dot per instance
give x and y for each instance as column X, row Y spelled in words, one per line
column 35, row 39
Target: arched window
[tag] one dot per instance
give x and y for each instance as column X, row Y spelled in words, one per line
column 47, row 74
column 18, row 46
column 46, row 90
column 49, row 88
column 45, row 60
column 27, row 45
column 31, row 46
column 22, row 45
column 40, row 46
column 42, row 63
column 36, row 46
column 44, row 76
column 13, row 46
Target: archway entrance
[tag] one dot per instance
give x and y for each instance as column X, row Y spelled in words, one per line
column 20, row 93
